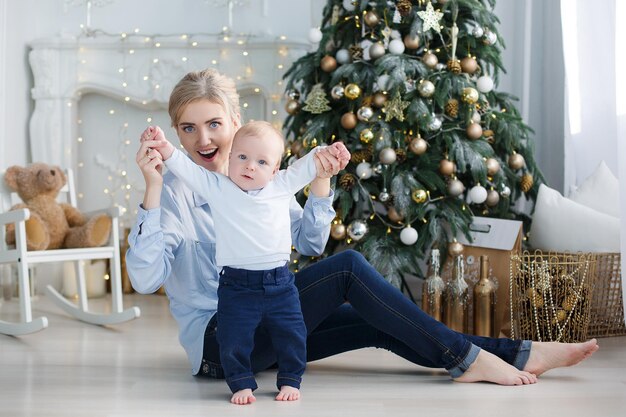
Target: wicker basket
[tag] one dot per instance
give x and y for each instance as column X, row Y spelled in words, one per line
column 551, row 295
column 607, row 307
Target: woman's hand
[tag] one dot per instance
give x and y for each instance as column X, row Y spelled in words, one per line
column 328, row 162
column 150, row 163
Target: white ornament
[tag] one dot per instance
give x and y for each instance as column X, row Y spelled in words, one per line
column 408, row 235
column 343, row 56
column 490, row 38
column 478, row 32
column 347, row 4
column 484, row 84
column 396, row 47
column 476, row 117
column 478, row 194
column 364, row 170
column 381, row 82
column 365, row 46
column 315, row 35
column 395, row 34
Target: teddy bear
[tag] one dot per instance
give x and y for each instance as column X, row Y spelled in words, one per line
column 52, row 225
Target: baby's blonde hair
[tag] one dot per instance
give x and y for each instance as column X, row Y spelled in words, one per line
column 261, row 128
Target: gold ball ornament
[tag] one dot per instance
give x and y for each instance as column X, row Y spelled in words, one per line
column 328, row 64
column 493, row 198
column 394, row 215
column 306, row 190
column 418, row 146
column 455, row 248
column 292, row 107
column 371, row 19
column 348, row 121
column 469, row 95
column 353, row 91
column 411, row 42
column 535, row 297
column 419, row 196
column 387, row 156
column 447, row 167
column 366, row 136
column 454, row 66
column 526, row 183
column 516, row 161
column 474, row 131
column 469, row 65
column 338, row 231
column 379, row 99
column 493, row 166
column 430, row 60
column 570, row 302
column 561, row 315
column 426, row 88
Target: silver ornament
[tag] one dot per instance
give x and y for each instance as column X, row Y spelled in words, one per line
column 455, row 188
column 434, row 123
column 490, row 38
column 376, row 50
column 378, row 169
column 343, row 56
column 292, row 94
column 387, row 156
column 440, row 66
column 364, row 113
column 357, row 229
column 337, row 92
column 477, row 32
column 426, row 88
column 506, row 191
column 383, row 196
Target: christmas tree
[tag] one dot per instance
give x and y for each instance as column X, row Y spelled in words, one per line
column 408, row 86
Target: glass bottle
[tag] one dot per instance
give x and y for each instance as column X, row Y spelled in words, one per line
column 484, row 301
column 455, row 310
column 433, row 289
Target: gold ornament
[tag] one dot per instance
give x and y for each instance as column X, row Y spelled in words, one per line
column 411, row 42
column 430, row 60
column 418, row 145
column 404, row 7
column 493, row 166
column 493, row 198
column 379, row 100
column 394, row 108
column 352, row 91
column 526, row 183
column 488, row 134
column 348, row 121
column 454, row 66
column 452, row 108
column 387, row 156
column 371, row 19
column 292, row 107
column 469, row 95
column 426, row 88
column 394, row 215
column 535, row 297
column 447, row 167
column 316, row 101
column 328, row 64
column 306, row 190
column 455, row 248
column 366, row 135
column 516, row 161
column 431, row 18
column 419, row 196
column 347, row 181
column 338, row 231
column 474, row 131
column 469, row 65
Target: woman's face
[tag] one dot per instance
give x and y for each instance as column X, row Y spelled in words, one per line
column 206, row 132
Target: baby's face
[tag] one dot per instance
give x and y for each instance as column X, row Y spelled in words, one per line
column 254, row 161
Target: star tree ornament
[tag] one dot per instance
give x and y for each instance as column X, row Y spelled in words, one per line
column 431, row 18
column 395, row 107
column 316, row 101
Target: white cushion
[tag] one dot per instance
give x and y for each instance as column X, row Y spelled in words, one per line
column 562, row 225
column 600, row 191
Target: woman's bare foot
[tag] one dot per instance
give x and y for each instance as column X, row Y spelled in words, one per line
column 243, row 397
column 288, row 393
column 549, row 355
column 488, row 367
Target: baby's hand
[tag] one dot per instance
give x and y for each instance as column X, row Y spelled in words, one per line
column 331, row 159
column 157, row 141
column 339, row 150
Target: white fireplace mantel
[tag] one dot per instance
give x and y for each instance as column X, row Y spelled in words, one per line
column 141, row 71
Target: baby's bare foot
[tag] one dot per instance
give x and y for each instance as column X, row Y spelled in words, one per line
column 243, row 397
column 549, row 355
column 288, row 393
column 488, row 367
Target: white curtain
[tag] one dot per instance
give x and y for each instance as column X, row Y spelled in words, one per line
column 594, row 41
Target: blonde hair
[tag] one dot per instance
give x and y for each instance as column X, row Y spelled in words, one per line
column 261, row 128
column 207, row 84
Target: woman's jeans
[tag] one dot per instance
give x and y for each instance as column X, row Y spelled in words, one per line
column 378, row 315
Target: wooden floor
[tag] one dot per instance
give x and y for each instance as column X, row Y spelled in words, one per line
column 139, row 369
